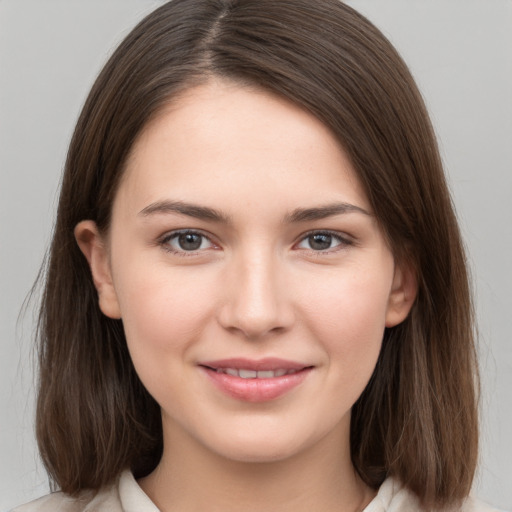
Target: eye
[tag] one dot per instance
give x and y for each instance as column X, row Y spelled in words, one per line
column 322, row 241
column 186, row 241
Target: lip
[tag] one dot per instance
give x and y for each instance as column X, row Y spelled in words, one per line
column 255, row 389
column 267, row 363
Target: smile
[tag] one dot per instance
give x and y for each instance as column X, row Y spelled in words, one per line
column 253, row 374
column 255, row 381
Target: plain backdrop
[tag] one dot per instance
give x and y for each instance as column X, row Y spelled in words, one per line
column 460, row 52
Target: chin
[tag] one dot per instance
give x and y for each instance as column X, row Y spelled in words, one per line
column 267, row 447
column 258, row 455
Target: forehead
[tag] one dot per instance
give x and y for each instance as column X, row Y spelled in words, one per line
column 220, row 139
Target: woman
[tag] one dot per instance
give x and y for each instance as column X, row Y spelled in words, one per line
column 256, row 294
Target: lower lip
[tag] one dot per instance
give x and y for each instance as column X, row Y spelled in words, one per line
column 256, row 390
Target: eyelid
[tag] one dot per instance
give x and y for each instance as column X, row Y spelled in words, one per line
column 163, row 241
column 344, row 239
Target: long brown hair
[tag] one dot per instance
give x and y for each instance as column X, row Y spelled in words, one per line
column 417, row 418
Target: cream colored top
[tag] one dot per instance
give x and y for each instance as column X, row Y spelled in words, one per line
column 127, row 496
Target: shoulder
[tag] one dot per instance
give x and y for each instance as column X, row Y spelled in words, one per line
column 107, row 500
column 125, row 495
column 394, row 497
column 475, row 505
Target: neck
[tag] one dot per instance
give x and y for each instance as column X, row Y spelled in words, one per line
column 192, row 478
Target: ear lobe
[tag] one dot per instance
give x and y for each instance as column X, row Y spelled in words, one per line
column 92, row 245
column 402, row 296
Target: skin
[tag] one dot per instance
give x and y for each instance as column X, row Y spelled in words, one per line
column 256, row 287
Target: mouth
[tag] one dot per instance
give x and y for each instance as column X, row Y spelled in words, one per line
column 244, row 373
column 255, row 380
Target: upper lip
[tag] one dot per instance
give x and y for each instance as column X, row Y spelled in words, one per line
column 268, row 363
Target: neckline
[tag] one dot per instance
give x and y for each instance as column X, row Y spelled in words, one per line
column 134, row 499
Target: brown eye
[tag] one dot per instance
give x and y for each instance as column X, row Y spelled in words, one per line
column 323, row 241
column 320, row 242
column 186, row 241
column 190, row 241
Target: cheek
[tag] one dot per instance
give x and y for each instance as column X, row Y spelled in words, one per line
column 163, row 317
column 347, row 316
column 163, row 311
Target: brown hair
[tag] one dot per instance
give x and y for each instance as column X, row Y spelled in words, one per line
column 417, row 418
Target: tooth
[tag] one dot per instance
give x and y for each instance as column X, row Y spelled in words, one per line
column 290, row 372
column 265, row 374
column 231, row 371
column 247, row 374
column 279, row 373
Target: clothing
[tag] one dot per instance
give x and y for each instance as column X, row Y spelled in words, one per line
column 127, row 496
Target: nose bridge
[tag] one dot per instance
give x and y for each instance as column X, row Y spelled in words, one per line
column 256, row 302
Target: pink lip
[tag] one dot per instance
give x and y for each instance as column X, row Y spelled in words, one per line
column 257, row 389
column 268, row 363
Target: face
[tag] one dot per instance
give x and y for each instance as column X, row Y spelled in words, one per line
column 253, row 281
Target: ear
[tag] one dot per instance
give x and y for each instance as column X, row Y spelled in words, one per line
column 93, row 246
column 402, row 296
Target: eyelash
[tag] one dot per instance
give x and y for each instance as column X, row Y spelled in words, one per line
column 164, row 241
column 343, row 242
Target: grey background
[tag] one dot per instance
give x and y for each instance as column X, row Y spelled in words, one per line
column 460, row 52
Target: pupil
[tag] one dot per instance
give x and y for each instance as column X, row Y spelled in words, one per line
column 189, row 241
column 320, row 241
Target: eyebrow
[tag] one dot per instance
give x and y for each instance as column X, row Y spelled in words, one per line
column 211, row 214
column 182, row 208
column 322, row 212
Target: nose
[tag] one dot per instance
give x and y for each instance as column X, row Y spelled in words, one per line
column 256, row 300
